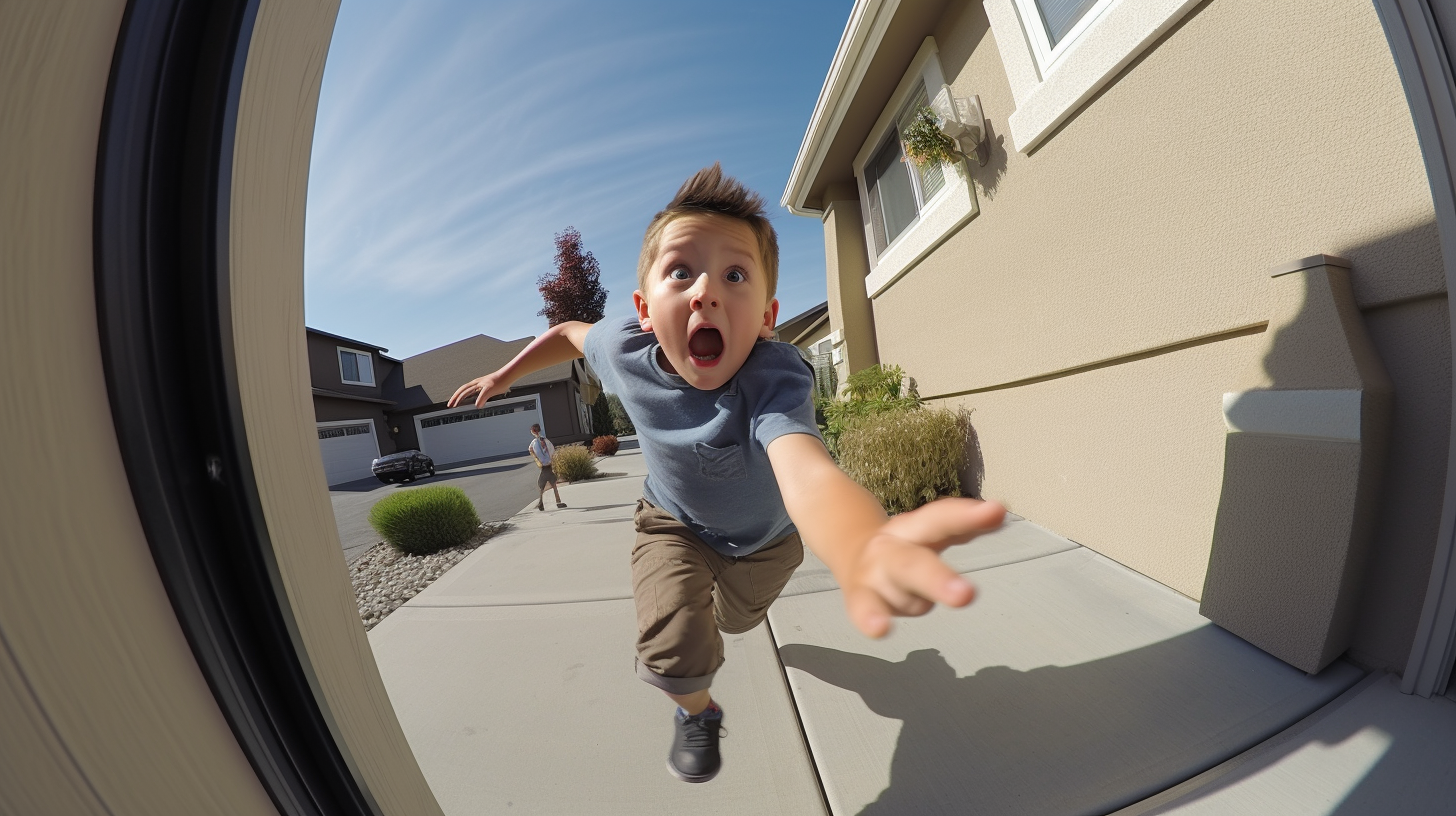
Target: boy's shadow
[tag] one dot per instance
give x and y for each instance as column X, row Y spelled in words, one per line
column 1089, row 738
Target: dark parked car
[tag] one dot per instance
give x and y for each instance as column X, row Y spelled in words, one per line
column 403, row 466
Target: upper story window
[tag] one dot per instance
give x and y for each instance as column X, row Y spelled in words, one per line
column 1056, row 23
column 1059, row 53
column 356, row 367
column 897, row 189
column 907, row 211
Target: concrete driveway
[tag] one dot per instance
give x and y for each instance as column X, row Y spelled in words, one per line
column 499, row 487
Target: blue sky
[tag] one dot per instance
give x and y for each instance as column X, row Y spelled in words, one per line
column 455, row 139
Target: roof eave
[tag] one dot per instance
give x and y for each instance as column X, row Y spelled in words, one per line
column 867, row 22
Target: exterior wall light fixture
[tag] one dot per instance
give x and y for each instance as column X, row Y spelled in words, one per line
column 962, row 119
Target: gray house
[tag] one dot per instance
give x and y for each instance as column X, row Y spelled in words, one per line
column 367, row 404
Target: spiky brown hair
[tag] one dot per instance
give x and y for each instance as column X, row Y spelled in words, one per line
column 709, row 192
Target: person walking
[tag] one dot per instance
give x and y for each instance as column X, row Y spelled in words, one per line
column 543, row 452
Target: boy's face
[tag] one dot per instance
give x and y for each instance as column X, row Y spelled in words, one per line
column 706, row 298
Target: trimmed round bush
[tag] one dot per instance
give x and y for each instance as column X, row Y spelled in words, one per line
column 907, row 458
column 573, row 463
column 425, row 520
column 605, row 445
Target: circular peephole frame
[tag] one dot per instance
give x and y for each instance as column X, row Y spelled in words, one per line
column 162, row 212
column 164, row 180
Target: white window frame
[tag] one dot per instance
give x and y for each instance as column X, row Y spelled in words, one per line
column 366, row 355
column 1040, row 39
column 942, row 214
column 1050, row 84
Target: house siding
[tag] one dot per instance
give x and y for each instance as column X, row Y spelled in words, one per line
column 1149, row 221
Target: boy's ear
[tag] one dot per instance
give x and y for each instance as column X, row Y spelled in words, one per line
column 770, row 319
column 640, row 304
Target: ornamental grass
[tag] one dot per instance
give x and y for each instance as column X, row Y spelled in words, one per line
column 906, row 458
column 573, row 463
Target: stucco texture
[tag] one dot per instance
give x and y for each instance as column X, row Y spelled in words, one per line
column 1252, row 134
column 1130, row 471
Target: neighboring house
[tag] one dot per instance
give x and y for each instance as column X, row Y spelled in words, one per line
column 809, row 332
column 354, row 390
column 1128, row 284
column 559, row 398
column 806, row 329
column 367, row 404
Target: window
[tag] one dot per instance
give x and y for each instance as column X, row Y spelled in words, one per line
column 1055, row 23
column 1059, row 53
column 335, row 433
column 907, row 211
column 897, row 189
column 356, row 367
column 479, row 413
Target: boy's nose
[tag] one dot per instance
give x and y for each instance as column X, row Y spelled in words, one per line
column 704, row 299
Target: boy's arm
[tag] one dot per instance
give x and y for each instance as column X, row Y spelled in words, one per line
column 562, row 342
column 886, row 566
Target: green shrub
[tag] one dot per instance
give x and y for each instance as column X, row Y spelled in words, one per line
column 908, row 457
column 604, row 445
column 573, row 463
column 869, row 391
column 621, row 423
column 425, row 520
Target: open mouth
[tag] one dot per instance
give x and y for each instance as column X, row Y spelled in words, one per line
column 705, row 345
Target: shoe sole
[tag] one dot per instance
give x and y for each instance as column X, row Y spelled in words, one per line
column 684, row 777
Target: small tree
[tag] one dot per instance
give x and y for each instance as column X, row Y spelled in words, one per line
column 602, row 424
column 574, row 291
column 621, row 423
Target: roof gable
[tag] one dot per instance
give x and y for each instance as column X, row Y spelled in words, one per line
column 431, row 377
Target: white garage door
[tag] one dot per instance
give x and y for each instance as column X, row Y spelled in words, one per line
column 348, row 449
column 475, row 433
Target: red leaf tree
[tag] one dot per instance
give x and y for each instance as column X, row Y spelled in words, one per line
column 574, row 291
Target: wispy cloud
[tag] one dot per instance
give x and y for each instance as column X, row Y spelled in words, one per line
column 456, row 138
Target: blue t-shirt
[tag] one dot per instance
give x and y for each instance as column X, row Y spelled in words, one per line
column 706, row 451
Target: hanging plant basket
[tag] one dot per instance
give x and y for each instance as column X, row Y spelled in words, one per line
column 923, row 141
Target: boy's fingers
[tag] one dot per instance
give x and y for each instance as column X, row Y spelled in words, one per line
column 459, row 393
column 868, row 611
column 922, row 574
column 947, row 521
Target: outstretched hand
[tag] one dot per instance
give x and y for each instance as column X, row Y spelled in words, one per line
column 899, row 572
column 483, row 387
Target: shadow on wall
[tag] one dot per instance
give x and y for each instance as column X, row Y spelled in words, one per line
column 988, row 176
column 1088, row 738
column 974, row 474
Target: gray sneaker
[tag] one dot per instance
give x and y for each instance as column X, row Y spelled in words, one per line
column 694, row 756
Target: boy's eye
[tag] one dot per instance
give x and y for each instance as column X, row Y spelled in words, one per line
column 680, row 273
column 734, row 276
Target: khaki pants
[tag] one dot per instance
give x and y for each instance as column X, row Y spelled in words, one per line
column 686, row 593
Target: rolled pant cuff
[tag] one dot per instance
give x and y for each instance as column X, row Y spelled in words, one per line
column 674, row 685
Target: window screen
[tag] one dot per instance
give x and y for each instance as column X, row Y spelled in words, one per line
column 350, row 363
column 892, row 194
column 1060, row 16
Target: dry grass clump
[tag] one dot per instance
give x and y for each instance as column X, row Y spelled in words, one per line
column 573, row 463
column 906, row 458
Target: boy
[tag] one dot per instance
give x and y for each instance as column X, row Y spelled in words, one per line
column 543, row 452
column 736, row 467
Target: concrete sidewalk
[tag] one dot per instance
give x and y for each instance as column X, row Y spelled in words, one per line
column 1072, row 685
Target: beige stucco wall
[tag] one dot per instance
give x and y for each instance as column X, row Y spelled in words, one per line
column 1253, row 134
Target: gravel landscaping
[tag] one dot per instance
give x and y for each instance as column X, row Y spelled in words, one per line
column 384, row 578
